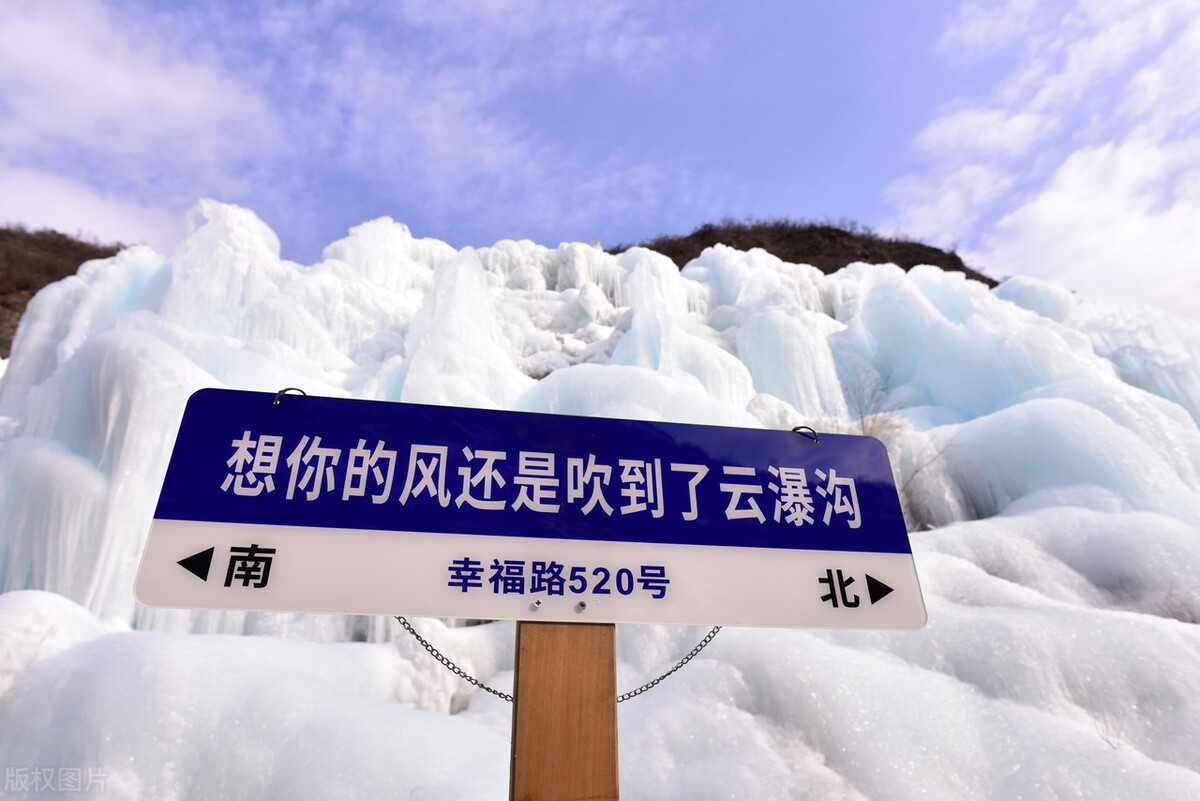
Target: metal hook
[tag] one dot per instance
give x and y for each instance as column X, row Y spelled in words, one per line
column 286, row 390
column 811, row 433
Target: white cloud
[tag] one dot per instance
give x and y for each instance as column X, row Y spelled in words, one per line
column 1098, row 41
column 567, row 36
column 944, row 211
column 45, row 200
column 444, row 118
column 112, row 129
column 978, row 26
column 1114, row 220
column 1165, row 94
column 75, row 81
column 983, row 132
column 145, row 105
column 1080, row 163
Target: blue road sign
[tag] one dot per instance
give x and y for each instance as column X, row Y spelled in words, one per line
column 479, row 513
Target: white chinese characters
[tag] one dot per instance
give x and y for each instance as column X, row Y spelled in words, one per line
column 541, row 482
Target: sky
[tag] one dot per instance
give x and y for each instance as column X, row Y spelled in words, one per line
column 1058, row 139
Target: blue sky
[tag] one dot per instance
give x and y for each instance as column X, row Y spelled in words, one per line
column 1058, row 138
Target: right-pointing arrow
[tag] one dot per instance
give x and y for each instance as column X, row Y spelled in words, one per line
column 198, row 563
column 877, row 589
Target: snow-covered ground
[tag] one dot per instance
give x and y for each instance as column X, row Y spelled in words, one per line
column 1047, row 449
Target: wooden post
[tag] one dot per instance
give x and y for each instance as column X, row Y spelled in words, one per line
column 564, row 743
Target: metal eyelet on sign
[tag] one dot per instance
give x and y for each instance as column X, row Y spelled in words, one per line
column 286, row 390
column 810, row 433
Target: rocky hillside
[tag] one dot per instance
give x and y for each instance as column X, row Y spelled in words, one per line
column 31, row 259
column 826, row 246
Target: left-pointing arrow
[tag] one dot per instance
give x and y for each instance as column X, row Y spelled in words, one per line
column 198, row 563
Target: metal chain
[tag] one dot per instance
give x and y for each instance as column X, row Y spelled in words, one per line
column 655, row 682
column 462, row 674
column 453, row 668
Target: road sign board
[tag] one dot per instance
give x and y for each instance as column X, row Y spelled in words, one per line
column 308, row 504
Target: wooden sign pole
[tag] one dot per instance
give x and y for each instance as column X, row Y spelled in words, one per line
column 564, row 743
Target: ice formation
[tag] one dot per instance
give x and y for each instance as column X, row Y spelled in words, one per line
column 1047, row 448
